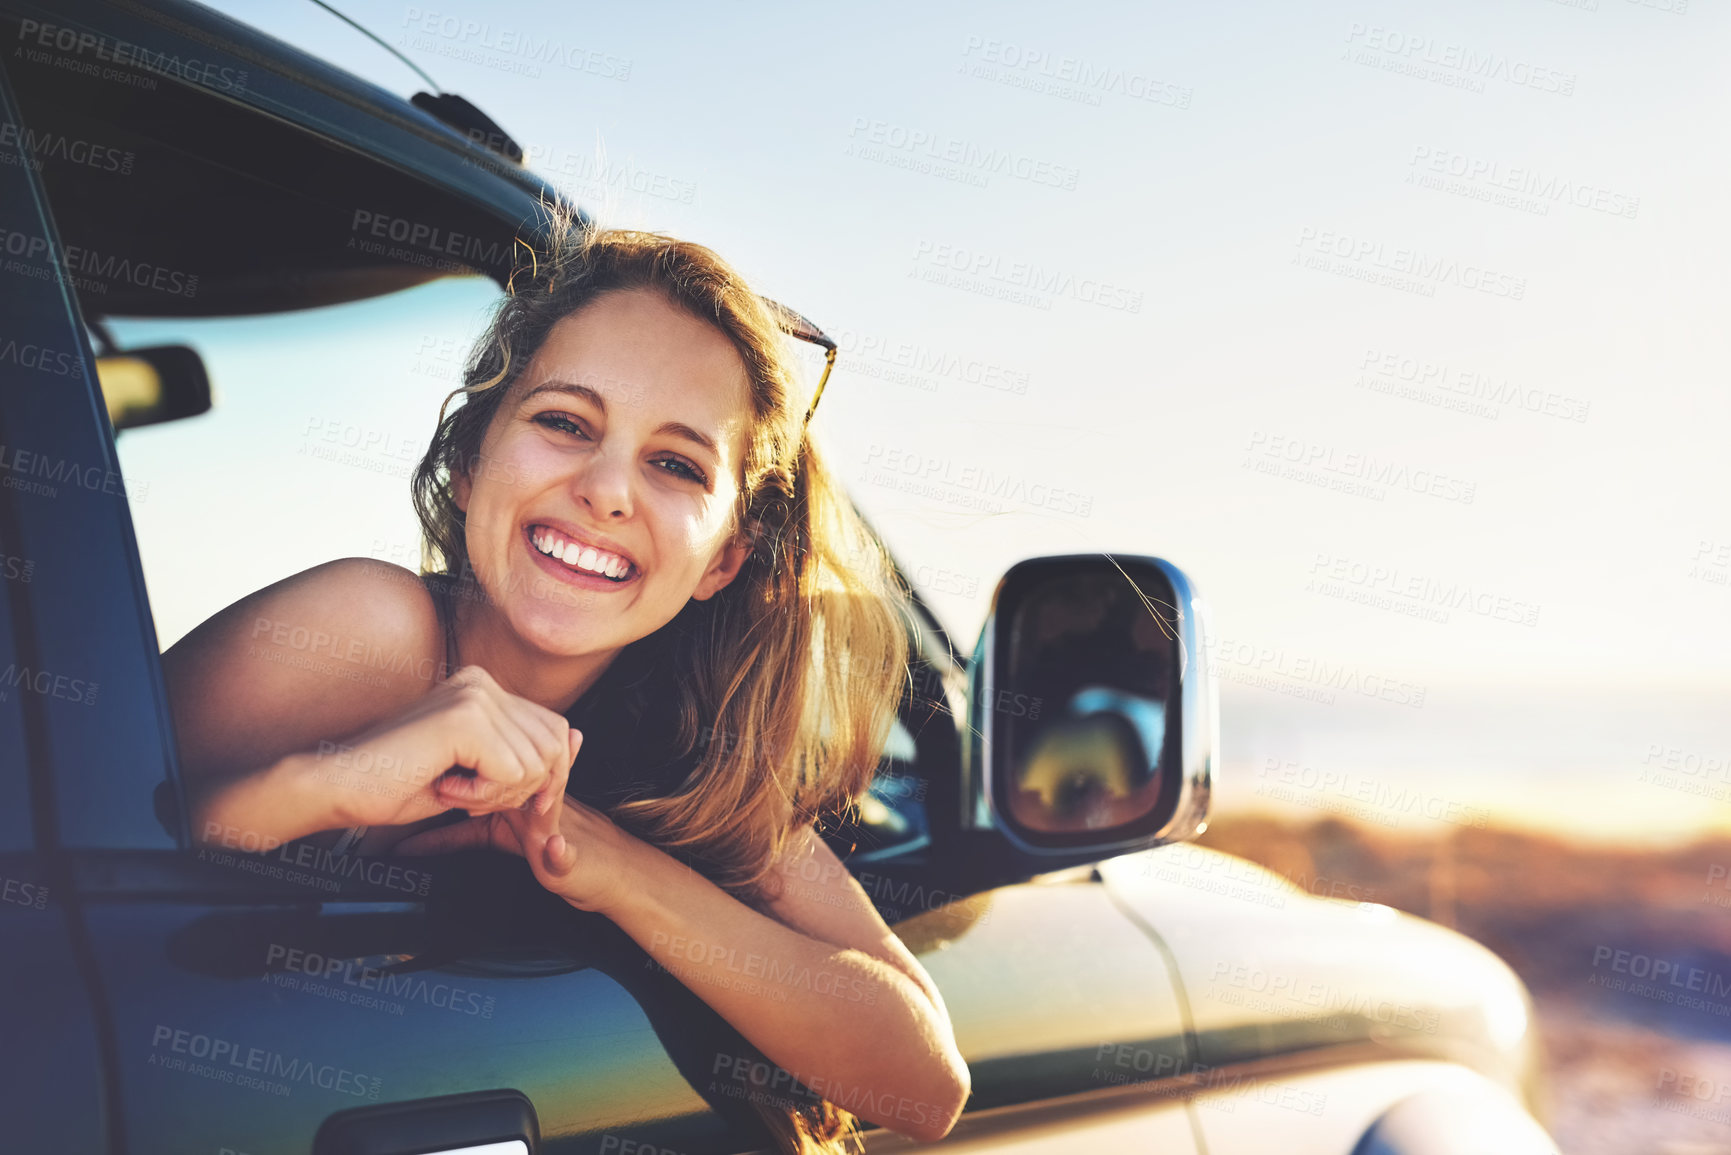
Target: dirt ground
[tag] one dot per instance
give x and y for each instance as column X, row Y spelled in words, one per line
column 1627, row 954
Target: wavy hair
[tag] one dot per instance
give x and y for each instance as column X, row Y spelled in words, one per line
column 798, row 663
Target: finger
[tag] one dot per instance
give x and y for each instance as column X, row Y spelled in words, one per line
column 527, row 771
column 545, row 728
column 462, row 789
column 544, row 821
column 484, row 744
column 470, row 834
column 558, row 857
column 546, row 733
column 547, row 801
column 477, row 796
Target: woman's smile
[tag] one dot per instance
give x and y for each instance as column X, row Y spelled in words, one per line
column 576, row 559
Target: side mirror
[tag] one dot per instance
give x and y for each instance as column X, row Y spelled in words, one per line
column 153, row 385
column 1093, row 710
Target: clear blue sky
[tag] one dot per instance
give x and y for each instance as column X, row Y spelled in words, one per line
column 1158, row 258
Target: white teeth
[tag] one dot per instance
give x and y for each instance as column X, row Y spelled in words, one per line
column 583, row 557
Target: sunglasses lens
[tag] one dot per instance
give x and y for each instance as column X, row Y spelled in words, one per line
column 815, row 355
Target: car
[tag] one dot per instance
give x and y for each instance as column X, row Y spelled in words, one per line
column 1112, row 986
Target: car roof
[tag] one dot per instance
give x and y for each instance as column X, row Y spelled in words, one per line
column 240, row 131
column 370, row 114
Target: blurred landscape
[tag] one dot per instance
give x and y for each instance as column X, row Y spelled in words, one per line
column 1627, row 952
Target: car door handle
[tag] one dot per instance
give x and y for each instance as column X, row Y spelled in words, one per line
column 499, row 1122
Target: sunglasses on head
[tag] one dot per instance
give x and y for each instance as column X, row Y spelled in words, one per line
column 795, row 325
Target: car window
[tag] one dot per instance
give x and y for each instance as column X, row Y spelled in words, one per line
column 319, row 418
column 893, row 812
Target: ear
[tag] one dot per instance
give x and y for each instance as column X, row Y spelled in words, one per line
column 460, row 489
column 723, row 569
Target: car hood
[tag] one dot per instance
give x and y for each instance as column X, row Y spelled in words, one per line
column 1267, row 969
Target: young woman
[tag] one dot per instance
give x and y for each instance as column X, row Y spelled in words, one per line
column 672, row 650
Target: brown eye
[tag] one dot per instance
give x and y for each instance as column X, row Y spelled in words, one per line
column 685, row 469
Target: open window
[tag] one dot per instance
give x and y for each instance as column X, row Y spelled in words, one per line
column 270, row 245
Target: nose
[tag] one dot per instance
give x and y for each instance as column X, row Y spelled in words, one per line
column 603, row 483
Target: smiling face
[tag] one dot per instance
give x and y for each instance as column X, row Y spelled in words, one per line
column 603, row 497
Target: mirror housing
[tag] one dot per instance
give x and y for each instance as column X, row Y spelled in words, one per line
column 152, row 385
column 1093, row 710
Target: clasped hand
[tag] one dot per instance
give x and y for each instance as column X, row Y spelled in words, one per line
column 515, row 758
column 547, row 840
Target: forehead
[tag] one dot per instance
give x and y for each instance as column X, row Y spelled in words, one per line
column 647, row 358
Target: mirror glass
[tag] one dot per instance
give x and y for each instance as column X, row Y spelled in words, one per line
column 150, row 386
column 1085, row 709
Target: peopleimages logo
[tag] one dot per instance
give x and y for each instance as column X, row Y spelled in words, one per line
column 472, row 39
column 943, row 478
column 1407, row 266
column 968, row 156
column 1523, row 180
column 390, row 984
column 48, row 684
column 90, row 269
column 40, row 358
column 228, row 1062
column 430, row 238
column 1665, row 980
column 1269, row 450
column 1064, row 76
column 1380, row 369
column 46, row 145
column 41, row 38
column 1020, row 281
column 1428, row 58
column 1252, row 664
column 303, row 862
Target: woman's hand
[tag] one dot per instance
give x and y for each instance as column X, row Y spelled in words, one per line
column 467, row 744
column 574, row 849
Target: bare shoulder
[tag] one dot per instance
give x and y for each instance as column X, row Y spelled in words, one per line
column 315, row 656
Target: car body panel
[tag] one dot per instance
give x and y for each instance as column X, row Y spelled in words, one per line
column 1267, row 969
column 1328, row 1112
column 1098, row 1123
column 1039, row 980
column 246, row 1025
column 52, row 1038
column 256, row 1059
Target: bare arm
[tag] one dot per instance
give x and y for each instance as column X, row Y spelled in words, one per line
column 315, row 704
column 824, row 988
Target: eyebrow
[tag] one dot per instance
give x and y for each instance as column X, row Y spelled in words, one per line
column 676, row 428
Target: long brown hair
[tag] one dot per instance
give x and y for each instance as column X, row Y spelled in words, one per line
column 790, row 675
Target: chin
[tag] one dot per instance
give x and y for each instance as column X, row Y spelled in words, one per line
column 557, row 628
